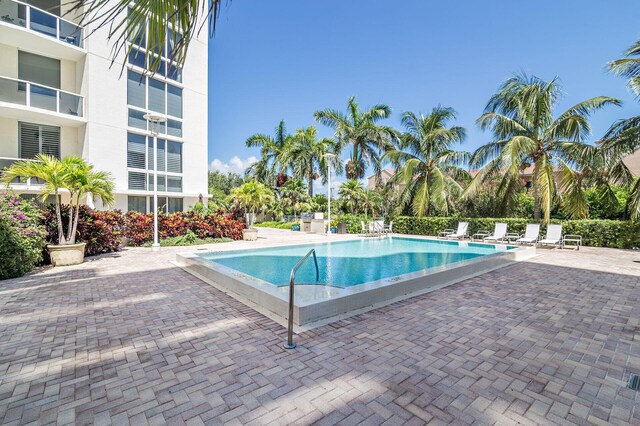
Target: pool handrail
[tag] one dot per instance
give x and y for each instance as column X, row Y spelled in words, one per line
column 290, row 344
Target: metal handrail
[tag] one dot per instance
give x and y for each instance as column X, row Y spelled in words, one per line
column 290, row 344
column 27, row 22
column 28, row 85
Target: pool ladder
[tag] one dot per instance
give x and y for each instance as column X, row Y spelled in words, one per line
column 290, row 343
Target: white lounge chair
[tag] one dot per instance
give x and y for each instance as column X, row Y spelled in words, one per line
column 363, row 231
column 499, row 233
column 461, row 232
column 554, row 236
column 531, row 234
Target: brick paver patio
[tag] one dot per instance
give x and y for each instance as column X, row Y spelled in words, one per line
column 130, row 338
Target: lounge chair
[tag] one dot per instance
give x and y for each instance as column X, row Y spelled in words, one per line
column 460, row 233
column 499, row 233
column 531, row 234
column 554, row 236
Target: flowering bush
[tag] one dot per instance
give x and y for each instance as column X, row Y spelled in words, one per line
column 139, row 227
column 22, row 238
column 100, row 229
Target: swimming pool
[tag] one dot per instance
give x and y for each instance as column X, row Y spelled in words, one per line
column 355, row 275
column 348, row 263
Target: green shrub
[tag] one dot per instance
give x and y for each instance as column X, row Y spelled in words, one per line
column 22, row 239
column 276, row 224
column 190, row 238
column 596, row 233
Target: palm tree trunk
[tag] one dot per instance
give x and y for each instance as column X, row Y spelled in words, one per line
column 311, row 183
column 61, row 239
column 72, row 239
column 70, row 224
column 537, row 203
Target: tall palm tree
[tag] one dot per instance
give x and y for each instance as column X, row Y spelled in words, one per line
column 72, row 173
column 305, row 155
column 623, row 138
column 521, row 117
column 360, row 130
column 427, row 168
column 351, row 193
column 125, row 20
column 271, row 148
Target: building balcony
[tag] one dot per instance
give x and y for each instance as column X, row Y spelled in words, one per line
column 41, row 32
column 24, row 100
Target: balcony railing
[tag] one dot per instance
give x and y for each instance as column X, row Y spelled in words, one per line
column 29, row 17
column 5, row 162
column 33, row 95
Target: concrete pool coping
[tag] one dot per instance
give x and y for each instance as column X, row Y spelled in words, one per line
column 318, row 305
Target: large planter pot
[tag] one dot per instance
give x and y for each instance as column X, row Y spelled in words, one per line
column 68, row 254
column 250, row 234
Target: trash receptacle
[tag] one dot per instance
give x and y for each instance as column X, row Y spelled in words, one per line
column 342, row 228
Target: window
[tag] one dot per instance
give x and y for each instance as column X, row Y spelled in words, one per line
column 174, row 101
column 136, row 57
column 136, row 89
column 138, row 180
column 174, row 128
column 174, row 183
column 157, row 90
column 135, row 151
column 175, row 205
column 174, row 157
column 137, row 204
column 161, row 160
column 38, row 139
column 140, row 157
column 137, row 120
column 39, row 69
column 162, row 182
column 139, row 38
column 146, row 94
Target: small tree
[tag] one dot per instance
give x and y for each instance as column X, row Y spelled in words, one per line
column 351, row 193
column 252, row 197
column 71, row 173
column 294, row 196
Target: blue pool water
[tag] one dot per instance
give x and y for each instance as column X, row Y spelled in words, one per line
column 347, row 263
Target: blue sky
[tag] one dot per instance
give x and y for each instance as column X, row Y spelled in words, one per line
column 272, row 60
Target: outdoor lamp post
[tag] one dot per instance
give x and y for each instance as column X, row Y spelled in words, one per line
column 327, row 157
column 154, row 120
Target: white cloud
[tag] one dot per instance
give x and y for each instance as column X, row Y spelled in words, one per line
column 235, row 164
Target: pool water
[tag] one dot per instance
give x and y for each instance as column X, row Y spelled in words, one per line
column 348, row 263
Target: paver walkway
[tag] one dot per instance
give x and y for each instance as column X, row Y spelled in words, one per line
column 129, row 338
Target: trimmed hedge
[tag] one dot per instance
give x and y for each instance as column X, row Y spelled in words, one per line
column 276, row 224
column 595, row 233
column 139, row 227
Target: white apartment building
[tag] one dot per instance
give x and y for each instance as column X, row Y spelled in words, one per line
column 60, row 94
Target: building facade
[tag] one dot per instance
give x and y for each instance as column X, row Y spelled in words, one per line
column 61, row 94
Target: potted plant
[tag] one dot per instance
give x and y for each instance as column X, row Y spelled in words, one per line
column 252, row 197
column 76, row 176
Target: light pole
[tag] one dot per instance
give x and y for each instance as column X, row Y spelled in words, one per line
column 327, row 157
column 154, row 120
